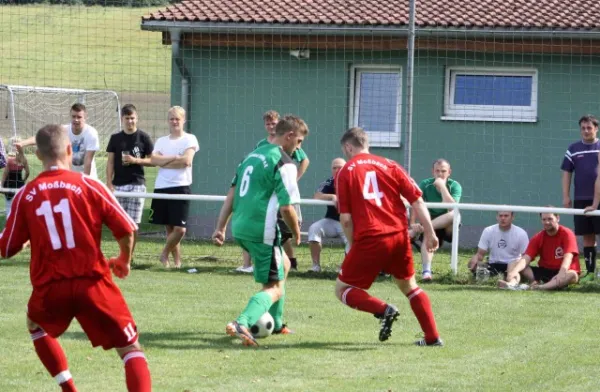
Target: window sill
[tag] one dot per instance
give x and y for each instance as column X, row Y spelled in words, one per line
column 490, row 119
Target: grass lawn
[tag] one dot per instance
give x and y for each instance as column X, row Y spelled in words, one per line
column 495, row 340
column 82, row 47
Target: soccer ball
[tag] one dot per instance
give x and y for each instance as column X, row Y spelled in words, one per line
column 263, row 327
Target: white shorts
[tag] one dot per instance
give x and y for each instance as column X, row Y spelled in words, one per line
column 327, row 228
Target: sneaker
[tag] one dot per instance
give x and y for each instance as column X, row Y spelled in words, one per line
column 427, row 276
column 284, row 330
column 514, row 286
column 422, row 342
column 389, row 316
column 235, row 329
column 245, row 270
column 315, row 268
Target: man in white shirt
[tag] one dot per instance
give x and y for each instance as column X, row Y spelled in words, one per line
column 505, row 241
column 84, row 141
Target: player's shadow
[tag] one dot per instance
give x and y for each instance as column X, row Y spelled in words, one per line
column 203, row 340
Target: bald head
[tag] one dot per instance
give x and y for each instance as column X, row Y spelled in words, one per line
column 52, row 143
column 336, row 165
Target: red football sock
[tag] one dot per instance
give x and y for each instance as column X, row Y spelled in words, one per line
column 361, row 300
column 53, row 357
column 137, row 374
column 421, row 307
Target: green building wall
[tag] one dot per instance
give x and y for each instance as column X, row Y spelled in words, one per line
column 496, row 162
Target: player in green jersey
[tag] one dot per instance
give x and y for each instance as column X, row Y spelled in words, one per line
column 265, row 182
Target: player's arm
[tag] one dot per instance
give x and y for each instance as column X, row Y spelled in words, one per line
column 27, row 142
column 347, row 226
column 422, row 213
column 160, row 160
column 477, row 258
column 325, row 196
column 446, row 196
column 566, row 262
column 596, row 201
column 303, row 167
column 16, row 232
column 146, row 161
column 121, row 265
column 110, row 171
column 4, row 175
column 87, row 162
column 25, row 164
column 218, row 236
column 182, row 161
column 288, row 213
column 566, row 188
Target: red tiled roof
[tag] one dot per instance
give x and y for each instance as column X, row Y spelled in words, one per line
column 543, row 14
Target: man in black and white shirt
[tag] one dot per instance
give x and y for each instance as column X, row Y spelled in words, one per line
column 505, row 241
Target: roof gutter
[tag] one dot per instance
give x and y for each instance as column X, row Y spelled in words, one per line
column 392, row 31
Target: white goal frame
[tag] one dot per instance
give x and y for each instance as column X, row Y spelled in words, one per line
column 81, row 93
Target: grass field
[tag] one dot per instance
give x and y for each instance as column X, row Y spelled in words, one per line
column 495, row 340
column 82, row 47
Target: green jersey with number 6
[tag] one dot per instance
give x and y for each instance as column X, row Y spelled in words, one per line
column 264, row 181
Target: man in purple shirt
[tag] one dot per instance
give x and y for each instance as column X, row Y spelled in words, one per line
column 581, row 158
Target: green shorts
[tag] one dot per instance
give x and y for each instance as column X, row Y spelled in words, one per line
column 267, row 260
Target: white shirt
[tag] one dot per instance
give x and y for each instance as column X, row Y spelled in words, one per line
column 504, row 246
column 87, row 140
column 167, row 178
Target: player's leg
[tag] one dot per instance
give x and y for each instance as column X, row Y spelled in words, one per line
column 137, row 374
column 587, row 227
column 178, row 216
column 247, row 263
column 164, row 255
column 52, row 321
column 513, row 274
column 269, row 271
column 286, row 236
column 359, row 270
column 316, row 231
column 276, row 310
column 105, row 318
column 560, row 280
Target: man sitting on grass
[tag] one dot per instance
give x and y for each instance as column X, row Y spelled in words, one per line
column 559, row 259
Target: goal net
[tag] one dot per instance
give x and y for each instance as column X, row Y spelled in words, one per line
column 28, row 108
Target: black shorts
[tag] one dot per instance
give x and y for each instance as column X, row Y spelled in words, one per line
column 171, row 212
column 585, row 224
column 543, row 275
column 495, row 269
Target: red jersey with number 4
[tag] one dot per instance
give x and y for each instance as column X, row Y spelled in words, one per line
column 369, row 187
column 62, row 212
column 553, row 248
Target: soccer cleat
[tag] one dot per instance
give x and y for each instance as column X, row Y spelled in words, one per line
column 389, row 316
column 427, row 276
column 235, row 329
column 284, row 330
column 422, row 342
column 315, row 268
column 246, row 270
column 588, row 277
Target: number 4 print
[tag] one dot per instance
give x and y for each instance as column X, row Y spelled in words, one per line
column 62, row 208
column 371, row 182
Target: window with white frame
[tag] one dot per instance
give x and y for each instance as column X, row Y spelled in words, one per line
column 491, row 94
column 375, row 101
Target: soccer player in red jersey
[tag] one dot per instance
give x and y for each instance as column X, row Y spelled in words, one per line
column 373, row 217
column 61, row 213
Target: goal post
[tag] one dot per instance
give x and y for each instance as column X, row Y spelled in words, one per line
column 28, row 108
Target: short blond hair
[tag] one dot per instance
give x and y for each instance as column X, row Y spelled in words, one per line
column 355, row 136
column 271, row 115
column 288, row 123
column 177, row 111
column 52, row 141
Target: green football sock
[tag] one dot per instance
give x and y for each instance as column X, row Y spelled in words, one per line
column 257, row 306
column 276, row 310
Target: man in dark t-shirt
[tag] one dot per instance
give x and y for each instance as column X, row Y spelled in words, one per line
column 329, row 226
column 581, row 159
column 128, row 152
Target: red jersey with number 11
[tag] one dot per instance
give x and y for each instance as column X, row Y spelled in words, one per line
column 369, row 187
column 62, row 212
